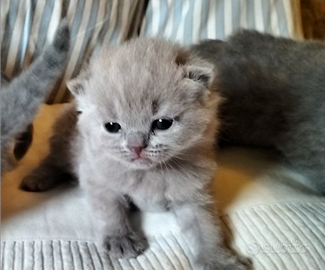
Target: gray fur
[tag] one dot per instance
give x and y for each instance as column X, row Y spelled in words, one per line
column 135, row 84
column 21, row 98
column 22, row 140
column 275, row 96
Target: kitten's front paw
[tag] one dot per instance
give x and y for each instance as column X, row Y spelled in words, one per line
column 129, row 245
column 36, row 184
column 241, row 263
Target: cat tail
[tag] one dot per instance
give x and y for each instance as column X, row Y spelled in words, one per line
column 22, row 98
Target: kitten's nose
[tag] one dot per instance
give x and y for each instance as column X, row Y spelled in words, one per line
column 137, row 149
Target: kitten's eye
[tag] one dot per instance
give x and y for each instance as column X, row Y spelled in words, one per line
column 112, row 127
column 162, row 124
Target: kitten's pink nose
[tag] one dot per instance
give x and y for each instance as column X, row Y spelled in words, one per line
column 137, row 149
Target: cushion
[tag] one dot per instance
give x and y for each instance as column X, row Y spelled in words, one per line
column 28, row 26
column 266, row 209
column 190, row 21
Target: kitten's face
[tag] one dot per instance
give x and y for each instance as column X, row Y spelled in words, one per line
column 143, row 111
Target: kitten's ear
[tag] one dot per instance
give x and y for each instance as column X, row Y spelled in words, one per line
column 76, row 86
column 203, row 75
column 199, row 78
column 196, row 69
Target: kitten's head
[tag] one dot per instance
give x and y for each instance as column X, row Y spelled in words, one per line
column 145, row 102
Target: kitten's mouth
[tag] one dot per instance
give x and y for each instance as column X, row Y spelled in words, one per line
column 141, row 161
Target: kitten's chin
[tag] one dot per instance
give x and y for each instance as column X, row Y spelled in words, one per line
column 142, row 163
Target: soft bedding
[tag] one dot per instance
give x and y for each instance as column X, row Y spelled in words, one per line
column 269, row 215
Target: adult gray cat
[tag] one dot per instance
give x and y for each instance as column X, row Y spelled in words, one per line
column 145, row 133
column 21, row 98
column 275, row 96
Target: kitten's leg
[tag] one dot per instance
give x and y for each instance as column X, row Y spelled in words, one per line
column 19, row 110
column 57, row 166
column 308, row 157
column 311, row 163
column 46, row 176
column 318, row 179
column 23, row 142
column 314, row 175
column 7, row 161
column 200, row 227
column 119, row 238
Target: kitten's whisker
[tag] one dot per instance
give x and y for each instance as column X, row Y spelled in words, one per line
column 178, row 157
column 166, row 166
column 180, row 164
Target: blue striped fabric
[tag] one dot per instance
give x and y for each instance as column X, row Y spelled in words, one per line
column 188, row 21
column 28, row 26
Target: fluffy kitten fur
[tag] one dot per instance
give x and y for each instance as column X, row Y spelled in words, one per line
column 21, row 98
column 24, row 139
column 134, row 85
column 275, row 96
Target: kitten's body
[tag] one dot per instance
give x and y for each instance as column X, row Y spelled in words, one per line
column 21, row 98
column 275, row 96
column 134, row 85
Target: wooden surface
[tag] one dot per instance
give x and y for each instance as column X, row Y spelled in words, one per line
column 313, row 18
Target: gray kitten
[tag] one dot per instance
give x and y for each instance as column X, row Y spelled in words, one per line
column 275, row 96
column 21, row 97
column 145, row 134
